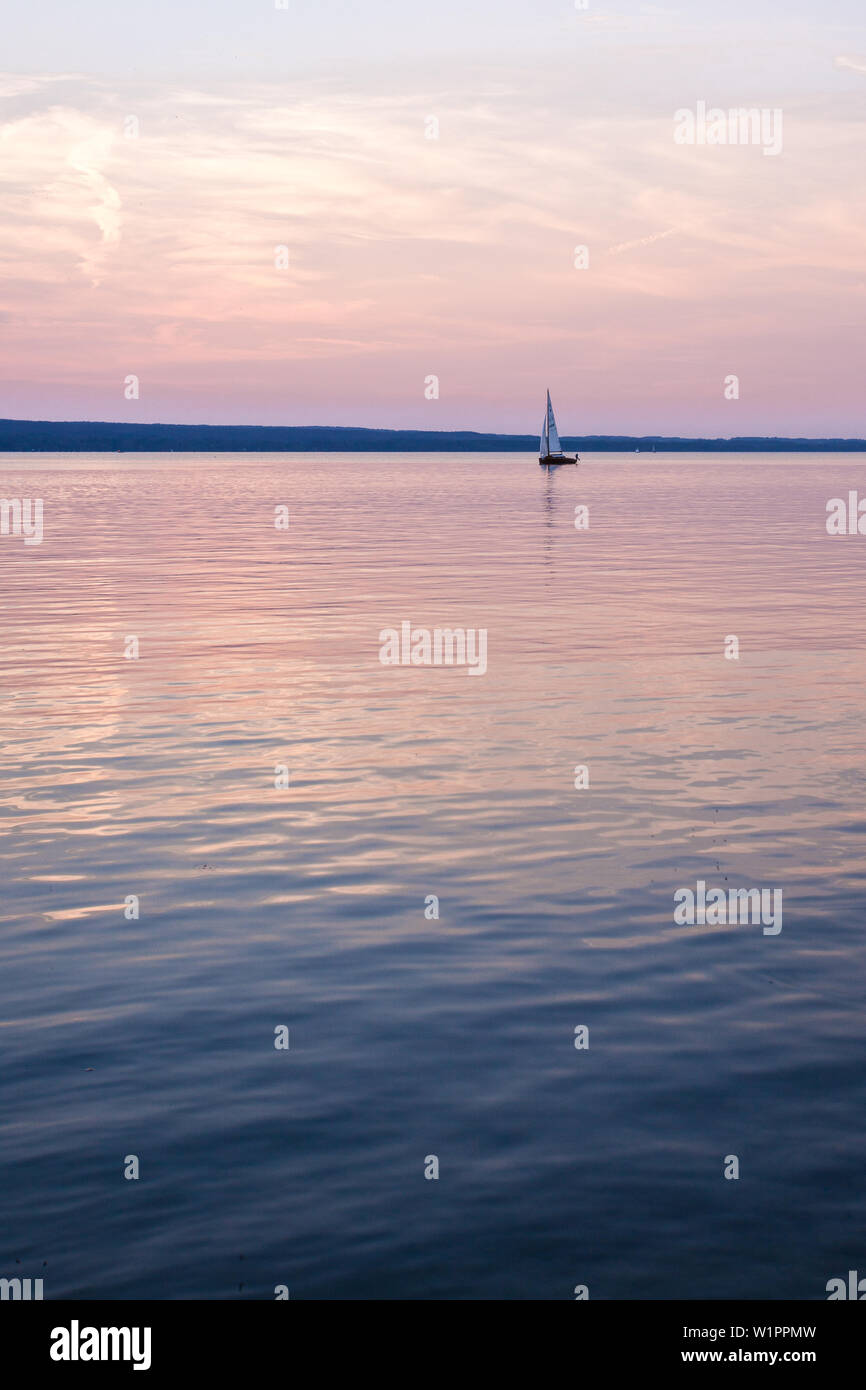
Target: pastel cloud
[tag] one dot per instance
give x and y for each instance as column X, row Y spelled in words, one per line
column 855, row 64
column 156, row 255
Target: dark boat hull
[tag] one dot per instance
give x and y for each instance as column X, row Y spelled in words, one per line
column 554, row 461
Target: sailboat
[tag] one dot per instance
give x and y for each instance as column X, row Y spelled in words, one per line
column 550, row 450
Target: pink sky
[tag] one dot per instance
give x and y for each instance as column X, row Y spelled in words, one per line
column 409, row 256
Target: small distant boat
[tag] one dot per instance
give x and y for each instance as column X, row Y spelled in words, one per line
column 550, row 450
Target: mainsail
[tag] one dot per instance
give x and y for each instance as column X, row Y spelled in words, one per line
column 550, row 445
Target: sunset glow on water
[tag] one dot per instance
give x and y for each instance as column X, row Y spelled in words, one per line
column 303, row 905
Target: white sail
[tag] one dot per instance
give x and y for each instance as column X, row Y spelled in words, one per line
column 550, row 434
column 543, row 445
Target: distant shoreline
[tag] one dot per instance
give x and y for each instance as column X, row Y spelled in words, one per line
column 77, row 436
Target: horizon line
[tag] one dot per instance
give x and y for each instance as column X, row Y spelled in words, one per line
column 6, row 421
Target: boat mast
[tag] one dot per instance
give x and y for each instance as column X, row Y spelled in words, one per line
column 544, row 448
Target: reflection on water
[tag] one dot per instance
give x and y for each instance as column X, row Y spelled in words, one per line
column 304, row 906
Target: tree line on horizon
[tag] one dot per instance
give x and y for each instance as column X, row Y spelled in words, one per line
column 54, row 436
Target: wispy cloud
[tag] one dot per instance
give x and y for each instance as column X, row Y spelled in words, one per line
column 856, row 64
column 406, row 255
column 56, row 192
column 86, row 159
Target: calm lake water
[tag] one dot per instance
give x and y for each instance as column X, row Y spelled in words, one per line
column 304, row 906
